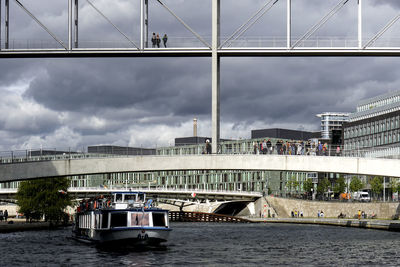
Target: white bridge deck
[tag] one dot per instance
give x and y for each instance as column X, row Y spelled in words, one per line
column 70, row 167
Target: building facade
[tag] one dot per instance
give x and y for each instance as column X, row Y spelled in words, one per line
column 374, row 129
column 332, row 124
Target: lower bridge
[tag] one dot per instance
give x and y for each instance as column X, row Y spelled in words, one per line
column 184, row 216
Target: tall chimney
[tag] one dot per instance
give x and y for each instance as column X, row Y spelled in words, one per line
column 195, row 127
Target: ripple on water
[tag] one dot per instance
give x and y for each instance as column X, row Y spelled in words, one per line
column 202, row 244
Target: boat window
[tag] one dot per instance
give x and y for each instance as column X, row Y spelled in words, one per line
column 130, row 198
column 159, row 219
column 118, row 219
column 139, row 219
column 118, row 198
column 104, row 220
column 141, row 197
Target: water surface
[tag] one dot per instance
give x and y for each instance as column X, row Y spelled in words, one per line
column 213, row 244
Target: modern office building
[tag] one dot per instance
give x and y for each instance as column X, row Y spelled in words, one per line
column 121, row 150
column 331, row 126
column 374, row 129
column 284, row 134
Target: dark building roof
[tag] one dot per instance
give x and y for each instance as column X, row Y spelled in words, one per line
column 48, row 152
column 284, row 134
column 121, row 150
column 193, row 140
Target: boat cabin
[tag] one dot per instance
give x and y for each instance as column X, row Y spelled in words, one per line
column 128, row 209
column 125, row 200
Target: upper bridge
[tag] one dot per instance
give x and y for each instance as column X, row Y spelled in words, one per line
column 71, row 167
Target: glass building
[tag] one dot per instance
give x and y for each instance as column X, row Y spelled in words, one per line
column 374, row 129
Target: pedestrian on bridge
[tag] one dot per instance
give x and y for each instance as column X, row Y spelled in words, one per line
column 165, row 39
column 154, row 40
column 158, row 40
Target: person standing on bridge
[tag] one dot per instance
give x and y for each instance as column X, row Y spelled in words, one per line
column 208, row 147
column 165, row 39
column 158, row 40
column 269, row 146
column 154, row 40
column 5, row 215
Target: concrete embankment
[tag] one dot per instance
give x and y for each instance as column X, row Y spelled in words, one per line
column 331, row 209
column 389, row 225
column 21, row 225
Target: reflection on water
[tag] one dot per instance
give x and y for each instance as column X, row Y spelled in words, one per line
column 200, row 244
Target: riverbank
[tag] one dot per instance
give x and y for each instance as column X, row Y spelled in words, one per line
column 389, row 225
column 18, row 225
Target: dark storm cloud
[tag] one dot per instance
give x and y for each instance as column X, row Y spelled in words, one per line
column 296, row 89
column 147, row 100
column 392, row 3
column 162, row 86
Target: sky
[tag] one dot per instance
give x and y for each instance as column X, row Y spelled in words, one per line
column 147, row 102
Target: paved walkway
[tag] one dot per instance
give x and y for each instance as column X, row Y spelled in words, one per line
column 390, row 225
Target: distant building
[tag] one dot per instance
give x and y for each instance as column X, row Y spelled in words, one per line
column 192, row 140
column 121, row 150
column 284, row 134
column 48, row 152
column 374, row 129
column 332, row 126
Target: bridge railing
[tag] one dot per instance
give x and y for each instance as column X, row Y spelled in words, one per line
column 147, row 190
column 21, row 156
column 193, row 42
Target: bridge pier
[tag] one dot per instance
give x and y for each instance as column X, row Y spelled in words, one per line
column 215, row 76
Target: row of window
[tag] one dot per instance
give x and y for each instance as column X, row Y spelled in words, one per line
column 379, row 103
column 373, row 140
column 372, row 127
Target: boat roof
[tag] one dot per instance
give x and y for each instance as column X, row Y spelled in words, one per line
column 128, row 192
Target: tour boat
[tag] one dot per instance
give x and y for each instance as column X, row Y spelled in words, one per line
column 122, row 217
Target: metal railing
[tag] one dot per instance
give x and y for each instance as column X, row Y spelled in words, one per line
column 160, row 189
column 296, row 149
column 193, row 42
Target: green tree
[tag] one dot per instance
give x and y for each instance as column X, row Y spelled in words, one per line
column 356, row 184
column 394, row 185
column 377, row 185
column 323, row 186
column 46, row 197
column 340, row 185
column 292, row 183
column 308, row 185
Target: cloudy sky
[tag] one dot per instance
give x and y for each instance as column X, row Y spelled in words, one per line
column 149, row 101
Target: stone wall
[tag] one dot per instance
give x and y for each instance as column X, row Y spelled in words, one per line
column 284, row 206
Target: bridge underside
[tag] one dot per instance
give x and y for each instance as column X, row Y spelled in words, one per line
column 201, row 52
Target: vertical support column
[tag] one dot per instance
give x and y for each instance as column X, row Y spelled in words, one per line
column 70, row 25
column 7, row 30
column 146, row 23
column 0, row 24
column 76, row 24
column 141, row 24
column 289, row 24
column 215, row 76
column 360, row 45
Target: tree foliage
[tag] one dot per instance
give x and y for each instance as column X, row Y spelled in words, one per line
column 308, row 185
column 377, row 185
column 292, row 183
column 46, row 197
column 356, row 184
column 340, row 185
column 323, row 185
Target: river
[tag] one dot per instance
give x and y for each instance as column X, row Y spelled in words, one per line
column 213, row 244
